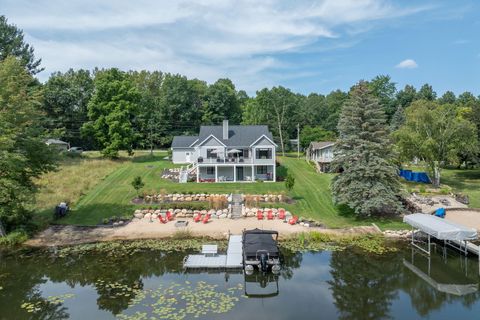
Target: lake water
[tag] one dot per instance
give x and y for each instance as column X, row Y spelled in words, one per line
column 322, row 285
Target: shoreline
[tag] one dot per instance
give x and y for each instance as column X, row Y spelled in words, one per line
column 65, row 235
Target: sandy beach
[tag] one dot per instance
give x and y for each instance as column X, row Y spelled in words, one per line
column 144, row 229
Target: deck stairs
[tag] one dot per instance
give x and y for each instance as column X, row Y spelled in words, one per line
column 185, row 171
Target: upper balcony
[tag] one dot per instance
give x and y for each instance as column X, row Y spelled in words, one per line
column 233, row 160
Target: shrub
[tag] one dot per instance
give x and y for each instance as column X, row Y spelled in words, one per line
column 422, row 189
column 13, row 238
column 290, row 182
column 282, row 173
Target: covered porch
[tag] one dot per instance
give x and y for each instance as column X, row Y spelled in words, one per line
column 235, row 173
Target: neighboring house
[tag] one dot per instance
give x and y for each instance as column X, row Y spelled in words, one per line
column 227, row 153
column 59, row 144
column 321, row 153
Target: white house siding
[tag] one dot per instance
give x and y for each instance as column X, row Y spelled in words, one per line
column 179, row 155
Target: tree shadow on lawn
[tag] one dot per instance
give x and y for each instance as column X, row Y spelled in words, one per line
column 464, row 179
column 148, row 158
column 94, row 214
column 347, row 212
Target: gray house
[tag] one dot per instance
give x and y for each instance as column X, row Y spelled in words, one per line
column 321, row 153
column 224, row 153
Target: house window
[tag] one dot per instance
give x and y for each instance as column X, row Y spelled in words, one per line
column 264, row 153
column 262, row 170
column 211, row 154
column 210, row 170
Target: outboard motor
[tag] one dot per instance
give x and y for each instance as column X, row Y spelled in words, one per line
column 263, row 262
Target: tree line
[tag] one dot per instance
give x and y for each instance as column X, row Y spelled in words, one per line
column 112, row 110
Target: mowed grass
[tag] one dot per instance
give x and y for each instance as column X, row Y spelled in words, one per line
column 464, row 181
column 100, row 189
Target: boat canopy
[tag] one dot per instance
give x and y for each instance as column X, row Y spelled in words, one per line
column 440, row 228
column 254, row 240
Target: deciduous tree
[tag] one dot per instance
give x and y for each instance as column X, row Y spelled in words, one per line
column 23, row 152
column 111, row 111
column 436, row 134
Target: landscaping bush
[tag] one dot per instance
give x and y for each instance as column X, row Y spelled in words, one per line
column 281, row 172
column 14, row 238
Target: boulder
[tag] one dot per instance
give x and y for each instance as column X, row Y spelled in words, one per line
column 204, row 212
column 201, row 199
column 138, row 211
column 174, row 199
column 138, row 215
column 225, row 210
column 219, row 212
column 121, row 222
column 154, row 216
column 229, row 216
column 147, row 216
column 188, row 199
column 222, row 216
column 184, row 211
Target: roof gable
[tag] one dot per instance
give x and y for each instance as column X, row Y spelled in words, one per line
column 238, row 135
column 318, row 145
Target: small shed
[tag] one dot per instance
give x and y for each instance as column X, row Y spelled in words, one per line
column 58, row 144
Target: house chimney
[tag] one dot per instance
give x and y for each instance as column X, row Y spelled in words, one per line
column 225, row 129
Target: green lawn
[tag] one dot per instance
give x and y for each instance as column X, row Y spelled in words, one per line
column 464, row 181
column 112, row 194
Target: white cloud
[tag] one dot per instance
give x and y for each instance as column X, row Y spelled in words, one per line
column 240, row 39
column 407, row 64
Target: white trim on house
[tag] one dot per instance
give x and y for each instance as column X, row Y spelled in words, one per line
column 192, row 145
column 263, row 136
column 211, row 136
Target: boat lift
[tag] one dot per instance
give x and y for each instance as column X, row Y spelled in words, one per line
column 452, row 234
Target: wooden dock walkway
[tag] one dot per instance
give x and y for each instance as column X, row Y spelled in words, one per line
column 232, row 260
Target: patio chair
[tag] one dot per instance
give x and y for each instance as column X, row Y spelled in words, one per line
column 169, row 216
column 198, row 217
column 281, row 214
column 293, row 220
column 161, row 219
column 206, row 218
column 260, row 215
column 270, row 215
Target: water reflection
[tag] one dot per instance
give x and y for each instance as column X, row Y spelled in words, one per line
column 344, row 284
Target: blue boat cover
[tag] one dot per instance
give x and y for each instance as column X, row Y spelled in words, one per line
column 410, row 175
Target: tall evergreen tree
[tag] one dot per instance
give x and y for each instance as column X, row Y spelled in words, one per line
column 369, row 182
column 398, row 119
column 12, row 44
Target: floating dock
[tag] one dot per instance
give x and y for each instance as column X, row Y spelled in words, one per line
column 210, row 259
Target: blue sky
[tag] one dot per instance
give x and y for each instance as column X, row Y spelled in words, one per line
column 308, row 46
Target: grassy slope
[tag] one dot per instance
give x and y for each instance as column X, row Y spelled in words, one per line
column 465, row 181
column 73, row 178
column 111, row 195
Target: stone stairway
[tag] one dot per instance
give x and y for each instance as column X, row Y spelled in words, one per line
column 237, row 202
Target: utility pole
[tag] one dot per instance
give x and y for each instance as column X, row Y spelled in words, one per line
column 298, row 140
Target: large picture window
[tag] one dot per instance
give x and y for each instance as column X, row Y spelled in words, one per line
column 264, row 153
column 210, row 170
column 262, row 170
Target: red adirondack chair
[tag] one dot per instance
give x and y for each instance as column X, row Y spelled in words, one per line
column 207, row 217
column 270, row 215
column 260, row 215
column 198, row 217
column 169, row 216
column 161, row 219
column 281, row 214
column 293, row 220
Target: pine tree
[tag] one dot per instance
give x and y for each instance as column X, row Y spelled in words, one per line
column 369, row 182
column 398, row 119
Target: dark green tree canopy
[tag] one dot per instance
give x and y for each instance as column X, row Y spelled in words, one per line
column 111, row 111
column 23, row 152
column 309, row 134
column 13, row 44
column 221, row 102
column 369, row 181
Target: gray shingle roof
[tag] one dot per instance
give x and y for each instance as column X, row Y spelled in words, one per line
column 183, row 141
column 238, row 136
column 321, row 144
